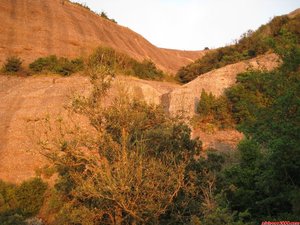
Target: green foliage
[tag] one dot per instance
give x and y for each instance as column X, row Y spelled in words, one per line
column 266, row 105
column 30, row 196
column 256, row 91
column 129, row 169
column 221, row 216
column 7, row 197
column 12, row 219
column 139, row 166
column 12, row 65
column 62, row 66
column 20, row 202
column 250, row 45
column 82, row 5
column 147, row 70
column 214, row 110
column 104, row 15
column 122, row 63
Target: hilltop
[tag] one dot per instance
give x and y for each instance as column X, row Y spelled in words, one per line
column 251, row 44
column 32, row 29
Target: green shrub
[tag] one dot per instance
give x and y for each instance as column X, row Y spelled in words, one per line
column 18, row 202
column 213, row 110
column 82, row 5
column 104, row 15
column 122, row 63
column 62, row 66
column 30, row 196
column 12, row 219
column 147, row 70
column 12, row 65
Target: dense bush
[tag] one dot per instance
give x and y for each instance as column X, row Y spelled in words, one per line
column 53, row 64
column 137, row 166
column 265, row 182
column 18, row 202
column 12, row 65
column 213, row 110
column 250, row 45
column 147, row 70
column 122, row 63
column 30, row 196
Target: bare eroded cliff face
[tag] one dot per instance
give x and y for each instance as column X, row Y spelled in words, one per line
column 185, row 98
column 23, row 100
column 35, row 28
column 26, row 100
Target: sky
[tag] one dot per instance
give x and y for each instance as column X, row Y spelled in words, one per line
column 192, row 24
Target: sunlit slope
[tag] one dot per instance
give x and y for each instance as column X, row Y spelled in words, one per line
column 35, row 28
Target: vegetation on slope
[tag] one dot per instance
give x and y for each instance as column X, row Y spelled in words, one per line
column 117, row 62
column 250, row 45
column 52, row 64
column 136, row 165
column 102, row 14
column 123, row 64
column 19, row 202
column 130, row 171
column 12, row 65
column 263, row 182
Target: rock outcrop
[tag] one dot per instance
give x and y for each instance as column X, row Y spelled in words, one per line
column 37, row 28
column 185, row 98
column 26, row 99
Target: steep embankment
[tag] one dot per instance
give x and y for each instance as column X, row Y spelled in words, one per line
column 35, row 28
column 185, row 98
column 23, row 100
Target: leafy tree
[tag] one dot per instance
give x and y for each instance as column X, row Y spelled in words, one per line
column 214, row 110
column 119, row 175
column 266, row 105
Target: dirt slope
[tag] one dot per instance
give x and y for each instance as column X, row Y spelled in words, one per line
column 185, row 98
column 23, row 100
column 34, row 28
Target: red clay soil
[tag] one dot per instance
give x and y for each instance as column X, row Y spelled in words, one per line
column 35, row 28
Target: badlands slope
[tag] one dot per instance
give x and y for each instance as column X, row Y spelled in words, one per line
column 25, row 100
column 35, row 28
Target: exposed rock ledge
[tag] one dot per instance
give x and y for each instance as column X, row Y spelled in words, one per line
column 185, row 98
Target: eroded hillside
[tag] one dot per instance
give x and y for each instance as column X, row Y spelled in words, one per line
column 23, row 100
column 31, row 29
